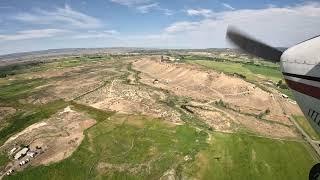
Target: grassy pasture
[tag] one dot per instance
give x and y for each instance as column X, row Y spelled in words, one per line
column 37, row 66
column 138, row 147
column 252, row 72
column 133, row 147
column 18, row 89
column 239, row 156
column 303, row 122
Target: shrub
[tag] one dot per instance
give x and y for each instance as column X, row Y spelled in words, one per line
column 282, row 85
column 3, row 75
column 221, row 104
column 267, row 111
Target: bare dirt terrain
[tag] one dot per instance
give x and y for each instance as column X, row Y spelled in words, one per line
column 58, row 137
column 219, row 120
column 70, row 82
column 6, row 111
column 112, row 86
column 210, row 86
column 129, row 99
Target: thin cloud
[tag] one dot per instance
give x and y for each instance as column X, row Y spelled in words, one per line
column 228, row 6
column 96, row 34
column 181, row 26
column 199, row 12
column 146, row 8
column 61, row 16
column 130, row 2
column 167, row 12
column 154, row 6
column 32, row 34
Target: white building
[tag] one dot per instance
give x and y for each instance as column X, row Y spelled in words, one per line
column 21, row 153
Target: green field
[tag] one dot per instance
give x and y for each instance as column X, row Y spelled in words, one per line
column 252, row 72
column 238, row 156
column 127, row 143
column 18, row 89
column 138, row 147
column 305, row 125
column 17, row 69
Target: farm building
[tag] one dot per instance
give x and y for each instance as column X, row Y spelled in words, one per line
column 21, row 153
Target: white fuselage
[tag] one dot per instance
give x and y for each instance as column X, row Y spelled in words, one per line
column 300, row 66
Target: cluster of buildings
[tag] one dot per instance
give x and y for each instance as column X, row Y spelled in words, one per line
column 22, row 157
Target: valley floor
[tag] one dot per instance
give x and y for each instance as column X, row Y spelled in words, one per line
column 120, row 117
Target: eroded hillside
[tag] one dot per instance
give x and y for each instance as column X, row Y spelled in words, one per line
column 135, row 116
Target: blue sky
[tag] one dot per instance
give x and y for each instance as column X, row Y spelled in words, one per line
column 45, row 24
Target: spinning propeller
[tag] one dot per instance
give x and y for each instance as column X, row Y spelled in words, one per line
column 252, row 46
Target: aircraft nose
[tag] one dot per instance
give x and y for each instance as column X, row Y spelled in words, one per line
column 306, row 52
column 303, row 58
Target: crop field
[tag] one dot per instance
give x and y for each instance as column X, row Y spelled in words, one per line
column 129, row 127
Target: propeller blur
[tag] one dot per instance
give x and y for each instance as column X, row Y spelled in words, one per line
column 300, row 66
